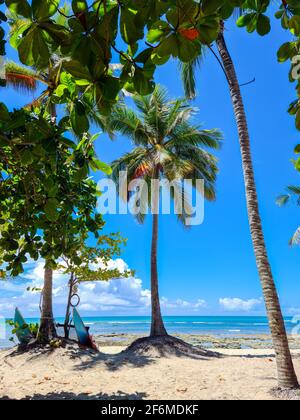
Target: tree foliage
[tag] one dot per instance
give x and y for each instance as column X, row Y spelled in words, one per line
column 48, row 200
column 96, row 261
column 140, row 34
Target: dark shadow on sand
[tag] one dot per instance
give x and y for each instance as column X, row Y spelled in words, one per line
column 146, row 351
column 142, row 352
column 72, row 396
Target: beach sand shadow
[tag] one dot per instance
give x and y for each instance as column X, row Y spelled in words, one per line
column 111, row 362
column 121, row 396
column 145, row 353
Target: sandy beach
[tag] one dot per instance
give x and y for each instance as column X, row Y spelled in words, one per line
column 73, row 373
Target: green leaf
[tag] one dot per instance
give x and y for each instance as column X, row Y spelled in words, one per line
column 60, row 90
column 67, row 80
column 297, row 121
column 4, row 114
column 3, row 141
column 169, row 46
column 294, row 25
column 44, row 8
column 158, row 31
column 101, row 166
column 245, row 20
column 79, row 6
column 263, row 25
column 187, row 50
column 25, row 48
column 79, row 120
column 131, row 31
column 27, row 157
column 51, row 210
column 211, row 6
column 285, row 52
column 142, row 84
column 19, row 7
column 110, row 87
column 76, row 69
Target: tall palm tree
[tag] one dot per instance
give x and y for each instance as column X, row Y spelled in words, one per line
column 286, row 373
column 169, row 146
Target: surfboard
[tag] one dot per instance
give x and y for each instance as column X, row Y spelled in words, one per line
column 22, row 331
column 81, row 331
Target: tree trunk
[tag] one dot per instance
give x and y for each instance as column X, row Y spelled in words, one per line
column 286, row 373
column 67, row 318
column 47, row 329
column 157, row 326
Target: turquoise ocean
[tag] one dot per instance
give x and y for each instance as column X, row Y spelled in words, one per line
column 221, row 326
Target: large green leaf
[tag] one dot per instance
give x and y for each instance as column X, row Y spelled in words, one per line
column 158, row 31
column 130, row 30
column 51, row 210
column 96, row 164
column 79, row 119
column 294, row 25
column 25, row 48
column 44, row 8
column 79, row 6
column 4, row 114
column 20, row 7
column 263, row 26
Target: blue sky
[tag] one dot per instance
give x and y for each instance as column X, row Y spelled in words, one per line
column 215, row 260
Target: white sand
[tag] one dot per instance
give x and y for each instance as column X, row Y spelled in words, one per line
column 240, row 374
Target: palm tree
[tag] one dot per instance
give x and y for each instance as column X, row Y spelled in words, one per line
column 286, row 373
column 167, row 145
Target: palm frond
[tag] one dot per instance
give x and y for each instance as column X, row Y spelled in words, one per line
column 282, row 200
column 182, row 202
column 132, row 163
column 188, row 76
column 21, row 78
column 142, row 103
column 141, row 203
column 180, row 112
column 185, row 135
column 128, row 123
column 294, row 189
column 295, row 240
column 38, row 102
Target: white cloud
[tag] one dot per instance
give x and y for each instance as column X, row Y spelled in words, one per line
column 237, row 304
column 183, row 304
column 119, row 297
column 293, row 311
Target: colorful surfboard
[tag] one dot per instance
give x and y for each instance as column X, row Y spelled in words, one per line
column 22, row 331
column 81, row 330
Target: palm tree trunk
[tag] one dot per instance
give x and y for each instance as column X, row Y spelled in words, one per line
column 157, row 325
column 47, row 329
column 286, row 373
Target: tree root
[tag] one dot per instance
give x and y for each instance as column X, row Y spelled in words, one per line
column 164, row 346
